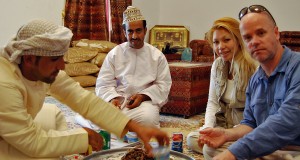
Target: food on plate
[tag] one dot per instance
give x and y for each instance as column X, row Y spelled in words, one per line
column 136, row 154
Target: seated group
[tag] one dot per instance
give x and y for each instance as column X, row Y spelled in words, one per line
column 253, row 103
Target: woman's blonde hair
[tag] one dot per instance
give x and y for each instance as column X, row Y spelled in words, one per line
column 243, row 65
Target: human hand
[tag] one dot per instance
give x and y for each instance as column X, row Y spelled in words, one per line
column 200, row 144
column 145, row 133
column 136, row 100
column 117, row 101
column 95, row 140
column 213, row 137
column 225, row 155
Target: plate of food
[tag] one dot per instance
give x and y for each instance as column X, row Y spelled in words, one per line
column 131, row 153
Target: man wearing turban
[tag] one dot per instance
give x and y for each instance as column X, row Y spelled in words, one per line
column 31, row 66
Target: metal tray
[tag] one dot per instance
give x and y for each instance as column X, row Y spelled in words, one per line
column 116, row 154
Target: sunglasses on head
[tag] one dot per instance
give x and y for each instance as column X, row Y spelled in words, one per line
column 256, row 9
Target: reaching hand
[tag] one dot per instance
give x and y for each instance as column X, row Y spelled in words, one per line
column 146, row 133
column 95, row 139
column 213, row 137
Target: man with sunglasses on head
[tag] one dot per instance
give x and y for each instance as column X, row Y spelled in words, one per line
column 270, row 128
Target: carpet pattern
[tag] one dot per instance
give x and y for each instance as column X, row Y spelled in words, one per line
column 168, row 123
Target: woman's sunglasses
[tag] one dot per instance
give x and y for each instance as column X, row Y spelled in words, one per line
column 256, row 9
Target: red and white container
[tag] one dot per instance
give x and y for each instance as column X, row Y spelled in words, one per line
column 177, row 141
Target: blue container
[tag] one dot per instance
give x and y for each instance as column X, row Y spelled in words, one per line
column 131, row 137
column 177, row 146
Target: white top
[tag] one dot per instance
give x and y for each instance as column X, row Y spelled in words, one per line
column 228, row 92
column 127, row 71
column 213, row 105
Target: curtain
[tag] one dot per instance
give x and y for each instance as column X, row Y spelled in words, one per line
column 117, row 7
column 86, row 19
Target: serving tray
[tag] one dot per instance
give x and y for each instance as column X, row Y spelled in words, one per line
column 116, row 154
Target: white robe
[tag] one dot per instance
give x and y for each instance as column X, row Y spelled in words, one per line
column 127, row 71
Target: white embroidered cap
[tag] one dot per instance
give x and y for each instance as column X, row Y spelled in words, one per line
column 40, row 38
column 132, row 14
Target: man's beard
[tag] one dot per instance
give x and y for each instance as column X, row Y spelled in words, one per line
column 48, row 80
column 51, row 78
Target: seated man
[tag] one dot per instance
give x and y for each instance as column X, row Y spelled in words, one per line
column 135, row 72
column 32, row 65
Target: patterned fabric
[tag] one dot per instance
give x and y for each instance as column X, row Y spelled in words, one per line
column 86, row 19
column 291, row 39
column 132, row 14
column 117, row 8
column 295, row 48
column 292, row 34
column 173, row 57
column 201, row 50
column 204, row 58
column 40, row 38
column 189, row 90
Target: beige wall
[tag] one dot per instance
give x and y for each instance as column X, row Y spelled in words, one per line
column 14, row 13
column 197, row 15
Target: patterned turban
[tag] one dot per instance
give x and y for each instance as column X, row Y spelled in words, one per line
column 40, row 38
column 132, row 14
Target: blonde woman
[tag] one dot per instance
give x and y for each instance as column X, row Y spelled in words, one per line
column 230, row 74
